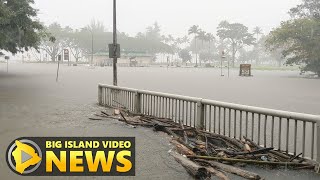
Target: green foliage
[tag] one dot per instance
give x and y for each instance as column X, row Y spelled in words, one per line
column 309, row 8
column 206, row 56
column 80, row 41
column 237, row 34
column 300, row 37
column 300, row 40
column 185, row 55
column 19, row 29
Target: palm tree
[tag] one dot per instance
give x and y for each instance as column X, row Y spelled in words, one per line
column 257, row 31
column 210, row 38
column 185, row 39
column 202, row 37
column 194, row 30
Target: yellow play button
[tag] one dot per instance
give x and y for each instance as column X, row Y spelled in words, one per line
column 24, row 156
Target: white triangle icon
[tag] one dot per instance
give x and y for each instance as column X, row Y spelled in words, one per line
column 25, row 157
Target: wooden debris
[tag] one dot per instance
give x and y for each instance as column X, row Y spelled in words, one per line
column 214, row 152
column 287, row 164
column 116, row 111
column 182, row 149
column 195, row 170
column 219, row 174
column 105, row 113
column 95, row 119
column 231, row 169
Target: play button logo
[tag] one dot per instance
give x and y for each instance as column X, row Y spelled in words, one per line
column 24, row 156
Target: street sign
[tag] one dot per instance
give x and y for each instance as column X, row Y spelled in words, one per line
column 59, row 57
column 112, row 49
column 6, row 57
column 245, row 70
column 66, row 54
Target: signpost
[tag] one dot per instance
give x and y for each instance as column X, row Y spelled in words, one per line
column 223, row 56
column 66, row 55
column 7, row 58
column 59, row 59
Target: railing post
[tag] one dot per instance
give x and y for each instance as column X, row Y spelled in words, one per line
column 318, row 146
column 137, row 102
column 100, row 95
column 200, row 115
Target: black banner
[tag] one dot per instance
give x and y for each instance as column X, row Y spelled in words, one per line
column 72, row 156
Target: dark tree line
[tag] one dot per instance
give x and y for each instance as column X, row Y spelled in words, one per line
column 299, row 38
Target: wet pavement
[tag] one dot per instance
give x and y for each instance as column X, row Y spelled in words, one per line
column 33, row 104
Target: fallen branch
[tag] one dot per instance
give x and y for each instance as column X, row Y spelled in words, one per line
column 282, row 156
column 292, row 164
column 105, row 113
column 182, row 149
column 231, row 169
column 219, row 174
column 195, row 170
column 295, row 157
column 262, row 150
column 95, row 119
column 229, row 140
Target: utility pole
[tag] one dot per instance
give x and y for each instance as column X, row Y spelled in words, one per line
column 115, row 73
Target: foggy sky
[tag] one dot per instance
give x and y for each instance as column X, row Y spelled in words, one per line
column 174, row 16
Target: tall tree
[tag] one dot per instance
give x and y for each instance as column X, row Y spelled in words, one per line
column 194, row 30
column 300, row 40
column 203, row 38
column 185, row 55
column 210, row 38
column 237, row 34
column 19, row 28
column 54, row 47
column 300, row 36
column 257, row 31
column 154, row 32
column 308, row 8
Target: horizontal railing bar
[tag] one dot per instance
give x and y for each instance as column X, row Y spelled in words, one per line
column 152, row 93
column 117, row 88
column 265, row 111
column 178, row 97
column 252, row 109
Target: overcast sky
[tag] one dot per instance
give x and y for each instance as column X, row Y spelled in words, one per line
column 174, row 16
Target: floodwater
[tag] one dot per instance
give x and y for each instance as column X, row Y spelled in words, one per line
column 33, row 104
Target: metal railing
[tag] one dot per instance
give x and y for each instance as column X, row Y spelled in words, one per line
column 286, row 131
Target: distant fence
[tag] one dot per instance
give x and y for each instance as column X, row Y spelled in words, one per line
column 286, row 131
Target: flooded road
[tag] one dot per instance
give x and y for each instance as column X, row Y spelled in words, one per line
column 33, row 104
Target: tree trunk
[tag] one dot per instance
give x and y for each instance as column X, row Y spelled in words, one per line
column 197, row 171
column 233, row 55
column 231, row 169
column 195, row 43
column 53, row 57
column 182, row 149
column 279, row 63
